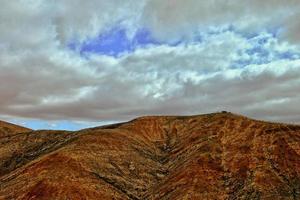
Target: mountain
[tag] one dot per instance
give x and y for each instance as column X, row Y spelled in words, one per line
column 7, row 129
column 212, row 156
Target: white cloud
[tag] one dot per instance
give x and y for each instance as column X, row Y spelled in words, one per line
column 40, row 77
column 176, row 18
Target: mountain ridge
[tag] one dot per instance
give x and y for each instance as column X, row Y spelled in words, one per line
column 211, row 156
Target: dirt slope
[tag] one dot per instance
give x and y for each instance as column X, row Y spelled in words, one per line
column 10, row 129
column 214, row 156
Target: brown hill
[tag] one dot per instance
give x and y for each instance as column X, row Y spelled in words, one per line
column 10, row 129
column 214, row 156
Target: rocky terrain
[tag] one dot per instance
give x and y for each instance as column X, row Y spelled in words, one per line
column 213, row 156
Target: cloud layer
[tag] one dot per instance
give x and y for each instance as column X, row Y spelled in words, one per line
column 203, row 56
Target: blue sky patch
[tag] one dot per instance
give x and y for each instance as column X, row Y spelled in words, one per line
column 114, row 42
column 56, row 125
column 261, row 52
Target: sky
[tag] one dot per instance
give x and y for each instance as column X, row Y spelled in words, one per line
column 72, row 64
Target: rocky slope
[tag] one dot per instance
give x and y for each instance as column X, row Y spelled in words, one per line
column 213, row 156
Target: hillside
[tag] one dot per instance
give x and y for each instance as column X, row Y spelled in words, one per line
column 213, row 156
column 10, row 129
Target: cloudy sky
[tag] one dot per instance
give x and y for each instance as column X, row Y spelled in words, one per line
column 69, row 64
